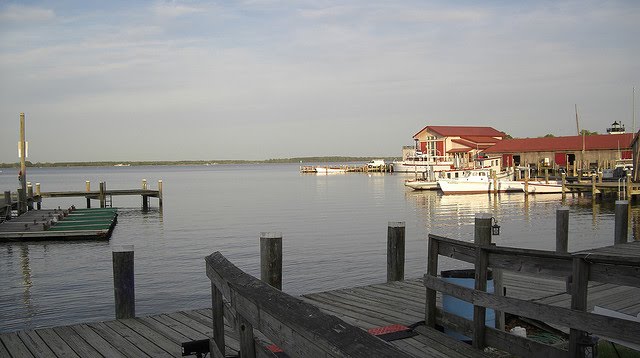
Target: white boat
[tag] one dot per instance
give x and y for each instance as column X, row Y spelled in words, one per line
column 543, row 187
column 479, row 181
column 422, row 184
column 420, row 163
column 330, row 170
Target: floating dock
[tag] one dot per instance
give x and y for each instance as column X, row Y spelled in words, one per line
column 58, row 224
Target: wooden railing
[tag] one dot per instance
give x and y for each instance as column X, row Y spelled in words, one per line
column 298, row 328
column 576, row 269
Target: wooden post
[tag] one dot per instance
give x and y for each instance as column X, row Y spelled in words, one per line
column 22, row 201
column 432, row 270
column 395, row 251
column 593, row 187
column 495, row 182
column 621, row 231
column 562, row 229
column 600, row 175
column 103, row 197
column 579, row 284
column 482, row 238
column 88, row 185
column 38, row 193
column 7, row 201
column 526, row 182
column 29, row 196
column 564, row 185
column 629, row 186
column 145, row 198
column 271, row 258
column 246, row 338
column 160, row 193
column 217, row 307
column 22, row 176
column 123, row 282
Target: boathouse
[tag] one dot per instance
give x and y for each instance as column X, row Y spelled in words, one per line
column 462, row 142
column 572, row 153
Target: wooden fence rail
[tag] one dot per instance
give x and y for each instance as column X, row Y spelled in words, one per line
column 298, row 328
column 577, row 270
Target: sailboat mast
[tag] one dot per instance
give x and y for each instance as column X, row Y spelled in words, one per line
column 634, row 109
column 577, row 124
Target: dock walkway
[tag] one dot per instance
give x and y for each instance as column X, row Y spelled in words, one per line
column 379, row 305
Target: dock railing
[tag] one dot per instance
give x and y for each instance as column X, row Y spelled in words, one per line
column 576, row 269
column 298, row 328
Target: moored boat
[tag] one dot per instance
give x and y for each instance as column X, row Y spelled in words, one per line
column 330, row 170
column 479, row 181
column 543, row 187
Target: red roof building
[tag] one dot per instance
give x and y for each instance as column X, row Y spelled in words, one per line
column 462, row 142
column 573, row 152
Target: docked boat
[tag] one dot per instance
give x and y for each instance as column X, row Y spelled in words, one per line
column 420, row 163
column 479, row 181
column 543, row 187
column 330, row 170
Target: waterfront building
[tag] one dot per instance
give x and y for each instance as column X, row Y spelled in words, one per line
column 571, row 153
column 460, row 143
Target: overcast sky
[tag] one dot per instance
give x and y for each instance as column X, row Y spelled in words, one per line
column 259, row 79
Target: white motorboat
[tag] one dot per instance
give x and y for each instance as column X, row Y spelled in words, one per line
column 420, row 163
column 543, row 187
column 479, row 181
column 330, row 170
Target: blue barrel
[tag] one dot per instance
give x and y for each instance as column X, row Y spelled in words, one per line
column 464, row 309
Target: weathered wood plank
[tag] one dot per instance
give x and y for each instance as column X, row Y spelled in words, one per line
column 35, row 344
column 77, row 343
column 117, row 341
column 56, row 344
column 98, row 343
column 147, row 346
column 169, row 346
column 15, row 345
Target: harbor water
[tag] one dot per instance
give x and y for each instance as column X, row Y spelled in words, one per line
column 334, row 231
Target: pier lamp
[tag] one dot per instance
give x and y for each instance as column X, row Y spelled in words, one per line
column 495, row 228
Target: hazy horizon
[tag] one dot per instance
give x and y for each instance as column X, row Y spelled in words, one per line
column 260, row 79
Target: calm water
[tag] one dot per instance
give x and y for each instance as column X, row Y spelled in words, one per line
column 334, row 230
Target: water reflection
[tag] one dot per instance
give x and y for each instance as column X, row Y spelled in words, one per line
column 26, row 279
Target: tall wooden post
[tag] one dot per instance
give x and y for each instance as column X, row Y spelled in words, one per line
column 217, row 308
column 629, row 186
column 271, row 258
column 22, row 177
column 395, row 251
column 29, row 196
column 38, row 193
column 88, row 186
column 123, row 282
column 432, row 270
column 7, row 201
column 526, row 182
column 160, row 193
column 482, row 237
column 103, row 197
column 621, row 232
column 564, row 186
column 562, row 229
column 579, row 284
column 145, row 198
column 593, row 187
column 546, row 175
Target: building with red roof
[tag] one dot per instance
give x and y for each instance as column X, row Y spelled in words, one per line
column 572, row 153
column 462, row 142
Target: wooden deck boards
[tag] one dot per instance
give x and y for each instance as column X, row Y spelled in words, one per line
column 365, row 307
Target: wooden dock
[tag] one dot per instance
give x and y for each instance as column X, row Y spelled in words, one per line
column 58, row 224
column 366, row 307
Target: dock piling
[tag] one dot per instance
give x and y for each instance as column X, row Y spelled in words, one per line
column 395, row 251
column 88, row 187
column 160, row 193
column 29, row 196
column 621, row 222
column 7, row 201
column 39, row 202
column 271, row 258
column 482, row 237
column 103, row 197
column 22, row 201
column 123, row 282
column 562, row 229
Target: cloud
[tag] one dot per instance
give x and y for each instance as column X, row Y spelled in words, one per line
column 174, row 9
column 20, row 13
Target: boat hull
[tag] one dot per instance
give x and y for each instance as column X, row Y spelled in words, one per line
column 452, row 187
column 542, row 187
column 422, row 184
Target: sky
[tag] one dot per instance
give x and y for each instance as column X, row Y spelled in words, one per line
column 259, row 79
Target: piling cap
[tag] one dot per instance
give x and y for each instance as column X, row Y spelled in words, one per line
column 123, row 248
column 396, row 224
column 271, row 235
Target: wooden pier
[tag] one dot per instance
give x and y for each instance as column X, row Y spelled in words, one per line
column 249, row 316
column 58, row 224
column 329, row 169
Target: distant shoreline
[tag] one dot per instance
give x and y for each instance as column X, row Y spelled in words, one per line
column 303, row 160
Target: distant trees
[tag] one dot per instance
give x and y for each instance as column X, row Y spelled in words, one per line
column 587, row 132
column 548, row 136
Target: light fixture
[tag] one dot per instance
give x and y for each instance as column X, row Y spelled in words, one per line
column 495, row 228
